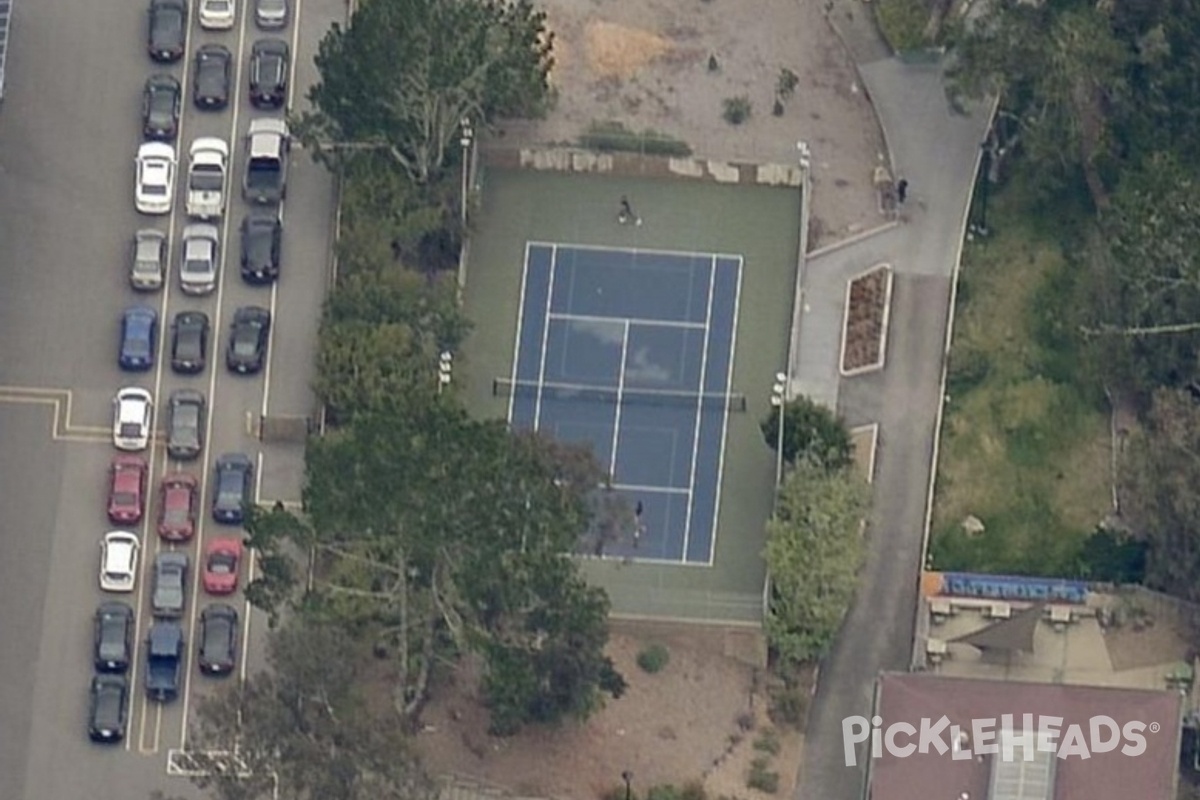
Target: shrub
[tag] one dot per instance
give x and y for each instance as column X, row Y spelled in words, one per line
column 737, row 109
column 785, row 87
column 902, row 23
column 768, row 742
column 762, row 778
column 614, row 137
column 789, row 705
column 652, row 659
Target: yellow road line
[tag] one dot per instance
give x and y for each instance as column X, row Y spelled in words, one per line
column 60, row 401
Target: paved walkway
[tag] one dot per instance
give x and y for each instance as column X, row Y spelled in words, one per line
column 936, row 149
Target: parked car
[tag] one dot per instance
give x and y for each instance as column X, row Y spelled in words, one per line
column 133, row 419
column 234, row 474
column 199, row 258
column 164, row 660
column 168, row 30
column 271, row 14
column 107, row 708
column 210, row 84
column 119, row 561
column 155, row 185
column 148, row 260
column 139, row 339
column 247, row 349
column 268, row 143
column 217, row 15
column 270, row 65
column 189, row 342
column 262, row 246
column 178, row 500
column 127, row 489
column 186, row 419
column 222, row 561
column 208, row 162
column 112, row 648
column 160, row 107
column 218, row 639
column 169, row 595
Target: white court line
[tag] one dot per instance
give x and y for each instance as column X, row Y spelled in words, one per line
column 633, row 487
column 634, row 250
column 712, row 288
column 616, row 436
column 660, row 323
column 512, row 398
column 737, row 305
column 537, row 408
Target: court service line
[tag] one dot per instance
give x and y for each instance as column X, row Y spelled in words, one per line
column 512, row 398
column 633, row 487
column 659, row 323
column 537, row 407
column 616, row 436
column 737, row 305
column 633, row 250
column 712, row 290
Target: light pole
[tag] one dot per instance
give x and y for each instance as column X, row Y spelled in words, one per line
column 779, row 401
column 627, row 776
column 445, row 369
column 465, row 140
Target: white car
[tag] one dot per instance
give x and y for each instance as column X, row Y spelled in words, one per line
column 209, row 157
column 119, row 561
column 133, row 418
column 155, row 178
column 217, row 15
column 199, row 258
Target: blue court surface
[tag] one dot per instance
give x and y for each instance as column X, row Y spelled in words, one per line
column 631, row 352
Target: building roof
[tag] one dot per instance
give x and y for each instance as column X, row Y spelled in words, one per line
column 1109, row 775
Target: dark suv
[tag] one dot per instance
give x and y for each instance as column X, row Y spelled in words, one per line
column 164, row 660
column 168, row 29
column 107, row 709
column 185, row 424
column 270, row 61
column 210, row 86
column 189, row 342
column 113, row 637
column 235, row 482
column 262, row 240
column 160, row 108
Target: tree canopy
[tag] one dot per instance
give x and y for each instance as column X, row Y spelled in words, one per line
column 810, row 432
column 813, row 553
column 405, row 74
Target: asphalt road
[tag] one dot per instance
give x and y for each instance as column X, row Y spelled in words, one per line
column 69, row 129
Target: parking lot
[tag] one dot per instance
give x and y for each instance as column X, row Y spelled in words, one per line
column 69, row 130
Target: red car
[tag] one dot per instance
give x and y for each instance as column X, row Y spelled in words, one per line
column 178, row 500
column 127, row 489
column 221, row 564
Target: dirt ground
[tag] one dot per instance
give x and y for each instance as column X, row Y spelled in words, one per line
column 646, row 64
column 696, row 719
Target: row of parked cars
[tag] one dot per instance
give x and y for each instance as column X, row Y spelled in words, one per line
column 178, row 497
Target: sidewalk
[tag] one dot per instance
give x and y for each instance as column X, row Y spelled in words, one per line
column 936, row 150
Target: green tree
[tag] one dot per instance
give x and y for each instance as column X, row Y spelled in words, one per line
column 814, row 551
column 810, row 431
column 304, row 729
column 405, row 73
column 1158, row 493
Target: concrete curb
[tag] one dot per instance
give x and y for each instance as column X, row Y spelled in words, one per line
column 833, row 247
column 883, row 333
column 873, row 429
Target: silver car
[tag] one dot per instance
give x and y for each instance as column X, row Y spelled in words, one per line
column 148, row 260
column 170, row 584
column 199, row 259
column 271, row 14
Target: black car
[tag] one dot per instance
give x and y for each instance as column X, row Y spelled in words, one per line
column 186, row 415
column 210, row 87
column 164, row 660
column 218, row 639
column 270, row 61
column 234, row 484
column 160, row 108
column 113, row 637
column 189, row 342
column 168, row 30
column 262, row 241
column 248, row 340
column 106, row 711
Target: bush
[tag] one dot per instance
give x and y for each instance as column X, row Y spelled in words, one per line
column 737, row 109
column 761, row 778
column 652, row 659
column 614, row 137
column 768, row 742
column 902, row 23
column 789, row 705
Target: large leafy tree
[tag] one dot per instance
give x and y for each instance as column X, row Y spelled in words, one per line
column 304, row 729
column 810, row 431
column 813, row 553
column 430, row 532
column 405, row 73
column 1159, row 477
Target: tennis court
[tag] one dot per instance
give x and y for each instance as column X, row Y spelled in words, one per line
column 631, row 352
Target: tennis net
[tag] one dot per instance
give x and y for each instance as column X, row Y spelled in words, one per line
column 531, row 390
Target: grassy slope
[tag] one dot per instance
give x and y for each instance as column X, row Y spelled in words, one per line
column 1025, row 447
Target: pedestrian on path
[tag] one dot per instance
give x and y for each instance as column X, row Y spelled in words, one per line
column 626, row 215
column 902, row 190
